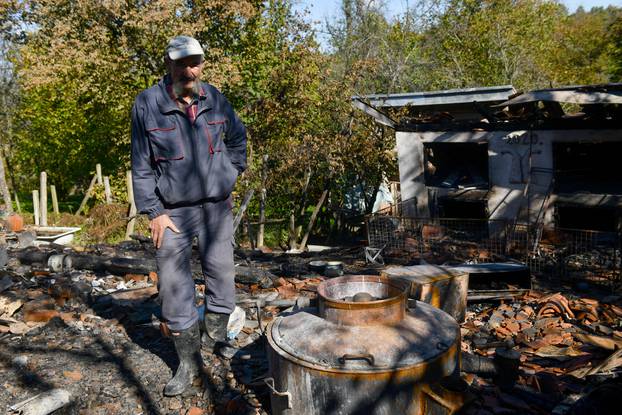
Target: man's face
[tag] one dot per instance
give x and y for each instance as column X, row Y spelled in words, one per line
column 185, row 74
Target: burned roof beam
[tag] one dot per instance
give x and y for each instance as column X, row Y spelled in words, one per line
column 368, row 109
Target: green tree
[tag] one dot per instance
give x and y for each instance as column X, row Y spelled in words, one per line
column 82, row 63
column 492, row 42
column 615, row 49
column 582, row 54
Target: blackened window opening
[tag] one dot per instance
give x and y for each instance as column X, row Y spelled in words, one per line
column 587, row 167
column 456, row 165
column 463, row 209
column 602, row 219
column 464, row 219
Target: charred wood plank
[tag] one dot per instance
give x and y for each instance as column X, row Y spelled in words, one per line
column 251, row 275
column 136, row 265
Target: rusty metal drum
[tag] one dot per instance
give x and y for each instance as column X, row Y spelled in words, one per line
column 383, row 300
column 331, row 362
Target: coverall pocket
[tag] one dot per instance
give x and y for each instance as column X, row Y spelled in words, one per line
column 214, row 131
column 166, row 143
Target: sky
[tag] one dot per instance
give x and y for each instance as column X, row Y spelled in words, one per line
column 325, row 9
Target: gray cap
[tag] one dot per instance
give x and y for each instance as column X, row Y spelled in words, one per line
column 181, row 46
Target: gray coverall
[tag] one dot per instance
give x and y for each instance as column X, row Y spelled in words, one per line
column 185, row 164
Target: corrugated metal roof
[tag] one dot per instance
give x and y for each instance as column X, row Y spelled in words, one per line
column 447, row 97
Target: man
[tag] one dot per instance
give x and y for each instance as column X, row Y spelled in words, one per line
column 188, row 147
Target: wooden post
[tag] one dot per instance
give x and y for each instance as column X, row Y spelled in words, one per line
column 87, row 195
column 130, row 187
column 19, row 207
column 262, row 201
column 238, row 216
column 35, row 206
column 131, row 223
column 303, row 244
column 98, row 172
column 54, row 200
column 43, row 195
column 129, row 230
column 107, row 191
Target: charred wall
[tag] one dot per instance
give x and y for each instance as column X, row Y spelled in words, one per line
column 524, row 175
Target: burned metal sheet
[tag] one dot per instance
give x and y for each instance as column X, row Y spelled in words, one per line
column 609, row 94
column 447, row 97
column 496, row 281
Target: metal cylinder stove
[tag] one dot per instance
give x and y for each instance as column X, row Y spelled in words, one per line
column 364, row 352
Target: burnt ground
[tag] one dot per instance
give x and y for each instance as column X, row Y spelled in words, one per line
column 96, row 335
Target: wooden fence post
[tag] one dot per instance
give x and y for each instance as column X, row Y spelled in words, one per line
column 87, row 195
column 43, row 195
column 130, row 198
column 35, row 206
column 98, row 172
column 54, row 200
column 107, row 190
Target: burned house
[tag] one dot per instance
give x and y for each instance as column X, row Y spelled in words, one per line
column 545, row 158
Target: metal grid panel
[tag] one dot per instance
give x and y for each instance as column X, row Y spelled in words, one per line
column 567, row 253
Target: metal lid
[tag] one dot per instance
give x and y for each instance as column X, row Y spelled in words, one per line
column 424, row 335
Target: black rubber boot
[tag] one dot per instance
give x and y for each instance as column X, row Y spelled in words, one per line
column 188, row 346
column 215, row 331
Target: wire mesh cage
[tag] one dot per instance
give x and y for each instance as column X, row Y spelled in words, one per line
column 572, row 254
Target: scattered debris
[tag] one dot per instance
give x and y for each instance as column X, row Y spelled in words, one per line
column 43, row 403
column 95, row 334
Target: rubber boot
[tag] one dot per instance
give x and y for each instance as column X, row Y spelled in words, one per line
column 188, row 346
column 215, row 331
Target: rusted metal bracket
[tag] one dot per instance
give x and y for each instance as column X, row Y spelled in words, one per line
column 270, row 384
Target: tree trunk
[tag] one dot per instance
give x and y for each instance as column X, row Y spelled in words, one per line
column 303, row 244
column 370, row 204
column 305, row 189
column 303, row 202
column 6, row 195
column 292, row 230
column 262, row 201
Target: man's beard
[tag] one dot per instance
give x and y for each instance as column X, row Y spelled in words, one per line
column 180, row 90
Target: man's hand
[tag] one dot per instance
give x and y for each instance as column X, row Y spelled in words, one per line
column 158, row 225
